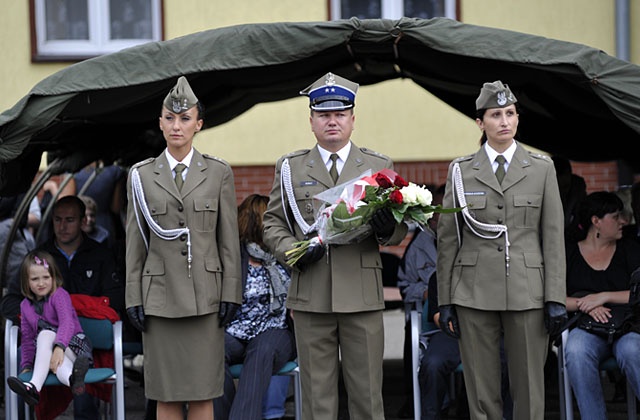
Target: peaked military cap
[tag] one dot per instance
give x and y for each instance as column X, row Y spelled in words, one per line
column 331, row 93
column 495, row 95
column 180, row 98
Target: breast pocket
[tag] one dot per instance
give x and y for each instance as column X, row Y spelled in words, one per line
column 309, row 206
column 476, row 205
column 527, row 210
column 205, row 213
column 158, row 210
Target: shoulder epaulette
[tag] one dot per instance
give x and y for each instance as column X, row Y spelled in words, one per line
column 463, row 158
column 216, row 158
column 297, row 153
column 373, row 153
column 540, row 156
column 143, row 162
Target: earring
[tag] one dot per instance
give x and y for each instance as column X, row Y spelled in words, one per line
column 597, row 234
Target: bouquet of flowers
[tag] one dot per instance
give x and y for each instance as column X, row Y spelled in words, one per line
column 347, row 209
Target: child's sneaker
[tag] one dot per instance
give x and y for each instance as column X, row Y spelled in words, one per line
column 26, row 390
column 76, row 380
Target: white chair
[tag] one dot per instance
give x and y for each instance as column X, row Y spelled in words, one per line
column 566, row 396
column 103, row 335
column 422, row 328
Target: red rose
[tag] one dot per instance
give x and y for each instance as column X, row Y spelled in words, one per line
column 400, row 182
column 383, row 181
column 395, row 197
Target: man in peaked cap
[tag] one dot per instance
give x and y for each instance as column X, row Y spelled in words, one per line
column 183, row 262
column 336, row 291
column 501, row 267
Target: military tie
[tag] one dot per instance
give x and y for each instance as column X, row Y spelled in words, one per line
column 179, row 180
column 500, row 172
column 334, row 167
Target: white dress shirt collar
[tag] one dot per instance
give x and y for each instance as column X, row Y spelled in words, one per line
column 173, row 162
column 508, row 155
column 343, row 154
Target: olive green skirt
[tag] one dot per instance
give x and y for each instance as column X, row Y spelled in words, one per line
column 183, row 358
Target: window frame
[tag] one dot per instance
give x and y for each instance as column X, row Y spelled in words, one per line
column 394, row 9
column 98, row 43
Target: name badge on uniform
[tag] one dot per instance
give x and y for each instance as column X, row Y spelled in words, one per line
column 308, row 183
column 475, row 193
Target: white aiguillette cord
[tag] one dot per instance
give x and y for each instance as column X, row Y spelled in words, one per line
column 139, row 202
column 493, row 231
column 285, row 184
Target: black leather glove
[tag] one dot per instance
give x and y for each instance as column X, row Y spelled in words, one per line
column 312, row 254
column 382, row 222
column 136, row 316
column 555, row 317
column 448, row 315
column 227, row 312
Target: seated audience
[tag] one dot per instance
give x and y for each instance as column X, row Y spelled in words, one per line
column 599, row 267
column 260, row 337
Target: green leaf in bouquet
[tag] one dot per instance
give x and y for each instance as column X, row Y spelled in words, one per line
column 371, row 194
column 342, row 220
column 398, row 214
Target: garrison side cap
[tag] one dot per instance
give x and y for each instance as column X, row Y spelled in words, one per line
column 331, row 93
column 495, row 95
column 180, row 98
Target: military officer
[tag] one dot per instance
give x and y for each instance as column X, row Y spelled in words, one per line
column 336, row 291
column 183, row 262
column 501, row 264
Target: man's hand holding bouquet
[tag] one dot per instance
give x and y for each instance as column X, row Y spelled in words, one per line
column 349, row 208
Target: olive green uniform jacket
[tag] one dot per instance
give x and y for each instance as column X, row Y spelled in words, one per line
column 474, row 274
column 159, row 278
column 349, row 277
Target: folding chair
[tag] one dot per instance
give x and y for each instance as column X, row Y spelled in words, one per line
column 289, row 369
column 422, row 327
column 566, row 399
column 103, row 335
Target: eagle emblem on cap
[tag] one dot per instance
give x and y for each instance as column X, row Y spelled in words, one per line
column 330, row 80
column 501, row 98
column 175, row 105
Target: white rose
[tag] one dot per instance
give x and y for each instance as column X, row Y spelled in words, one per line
column 409, row 193
column 424, row 196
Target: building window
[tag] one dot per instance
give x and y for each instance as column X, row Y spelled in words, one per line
column 77, row 29
column 393, row 9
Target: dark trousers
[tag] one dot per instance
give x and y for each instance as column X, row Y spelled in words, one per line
column 261, row 357
column 85, row 407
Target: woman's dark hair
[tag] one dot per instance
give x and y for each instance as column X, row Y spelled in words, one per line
column 597, row 204
column 250, row 214
column 480, row 115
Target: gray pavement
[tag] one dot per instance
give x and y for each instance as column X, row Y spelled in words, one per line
column 393, row 386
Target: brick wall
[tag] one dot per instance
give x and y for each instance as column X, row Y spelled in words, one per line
column 258, row 180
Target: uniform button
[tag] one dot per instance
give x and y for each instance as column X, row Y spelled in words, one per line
column 180, row 208
column 528, row 201
column 207, row 205
column 306, row 194
column 500, row 206
column 153, row 210
column 500, row 249
column 184, row 252
column 183, row 237
column 147, row 271
column 500, row 221
column 181, row 222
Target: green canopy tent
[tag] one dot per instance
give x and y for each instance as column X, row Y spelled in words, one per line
column 571, row 94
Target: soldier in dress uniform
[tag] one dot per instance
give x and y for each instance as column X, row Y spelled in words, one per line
column 501, row 264
column 336, row 291
column 183, row 263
